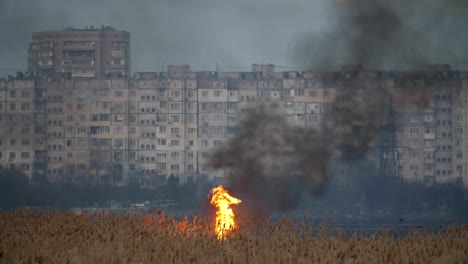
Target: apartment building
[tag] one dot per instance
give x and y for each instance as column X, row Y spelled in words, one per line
column 89, row 52
column 156, row 124
column 460, row 129
column 17, row 125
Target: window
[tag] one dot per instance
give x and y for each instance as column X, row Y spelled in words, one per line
column 217, row 130
column 118, row 130
column 217, row 93
column 190, row 155
column 81, row 130
column 175, row 106
column 25, row 106
column 25, row 94
column 414, row 130
column 232, row 106
column 175, row 118
column 298, row 92
column 204, row 93
column 12, row 94
column 118, row 143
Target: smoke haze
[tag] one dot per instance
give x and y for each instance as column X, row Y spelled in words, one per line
column 294, row 34
column 387, row 35
column 273, row 162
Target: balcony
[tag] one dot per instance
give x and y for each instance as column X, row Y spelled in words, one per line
column 429, row 136
column 79, row 45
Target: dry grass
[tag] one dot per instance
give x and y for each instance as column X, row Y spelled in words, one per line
column 33, row 237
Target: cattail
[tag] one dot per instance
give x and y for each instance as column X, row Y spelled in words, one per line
column 65, row 237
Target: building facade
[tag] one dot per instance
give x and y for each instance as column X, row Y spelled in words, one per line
column 155, row 124
column 89, row 52
column 17, row 125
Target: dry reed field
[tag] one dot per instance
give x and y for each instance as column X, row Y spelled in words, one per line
column 53, row 237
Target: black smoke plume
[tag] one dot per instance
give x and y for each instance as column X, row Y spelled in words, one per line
column 383, row 34
column 273, row 162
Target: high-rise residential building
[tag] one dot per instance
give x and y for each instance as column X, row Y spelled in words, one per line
column 156, row 124
column 17, row 125
column 89, row 52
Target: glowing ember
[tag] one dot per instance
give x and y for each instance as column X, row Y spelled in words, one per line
column 224, row 214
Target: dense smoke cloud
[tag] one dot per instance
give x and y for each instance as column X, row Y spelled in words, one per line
column 273, row 162
column 387, row 35
column 358, row 113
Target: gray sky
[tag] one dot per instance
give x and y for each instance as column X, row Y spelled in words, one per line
column 235, row 34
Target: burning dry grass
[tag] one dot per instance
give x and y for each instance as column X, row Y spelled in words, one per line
column 33, row 237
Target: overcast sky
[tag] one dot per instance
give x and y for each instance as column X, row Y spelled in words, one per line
column 234, row 34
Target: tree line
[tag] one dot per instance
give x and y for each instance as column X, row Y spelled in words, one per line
column 18, row 190
column 366, row 190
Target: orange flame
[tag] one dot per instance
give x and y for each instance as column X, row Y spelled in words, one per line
column 224, row 214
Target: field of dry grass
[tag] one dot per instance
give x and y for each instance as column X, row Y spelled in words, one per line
column 39, row 237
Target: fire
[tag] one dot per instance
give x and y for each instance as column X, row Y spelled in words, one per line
column 224, row 214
